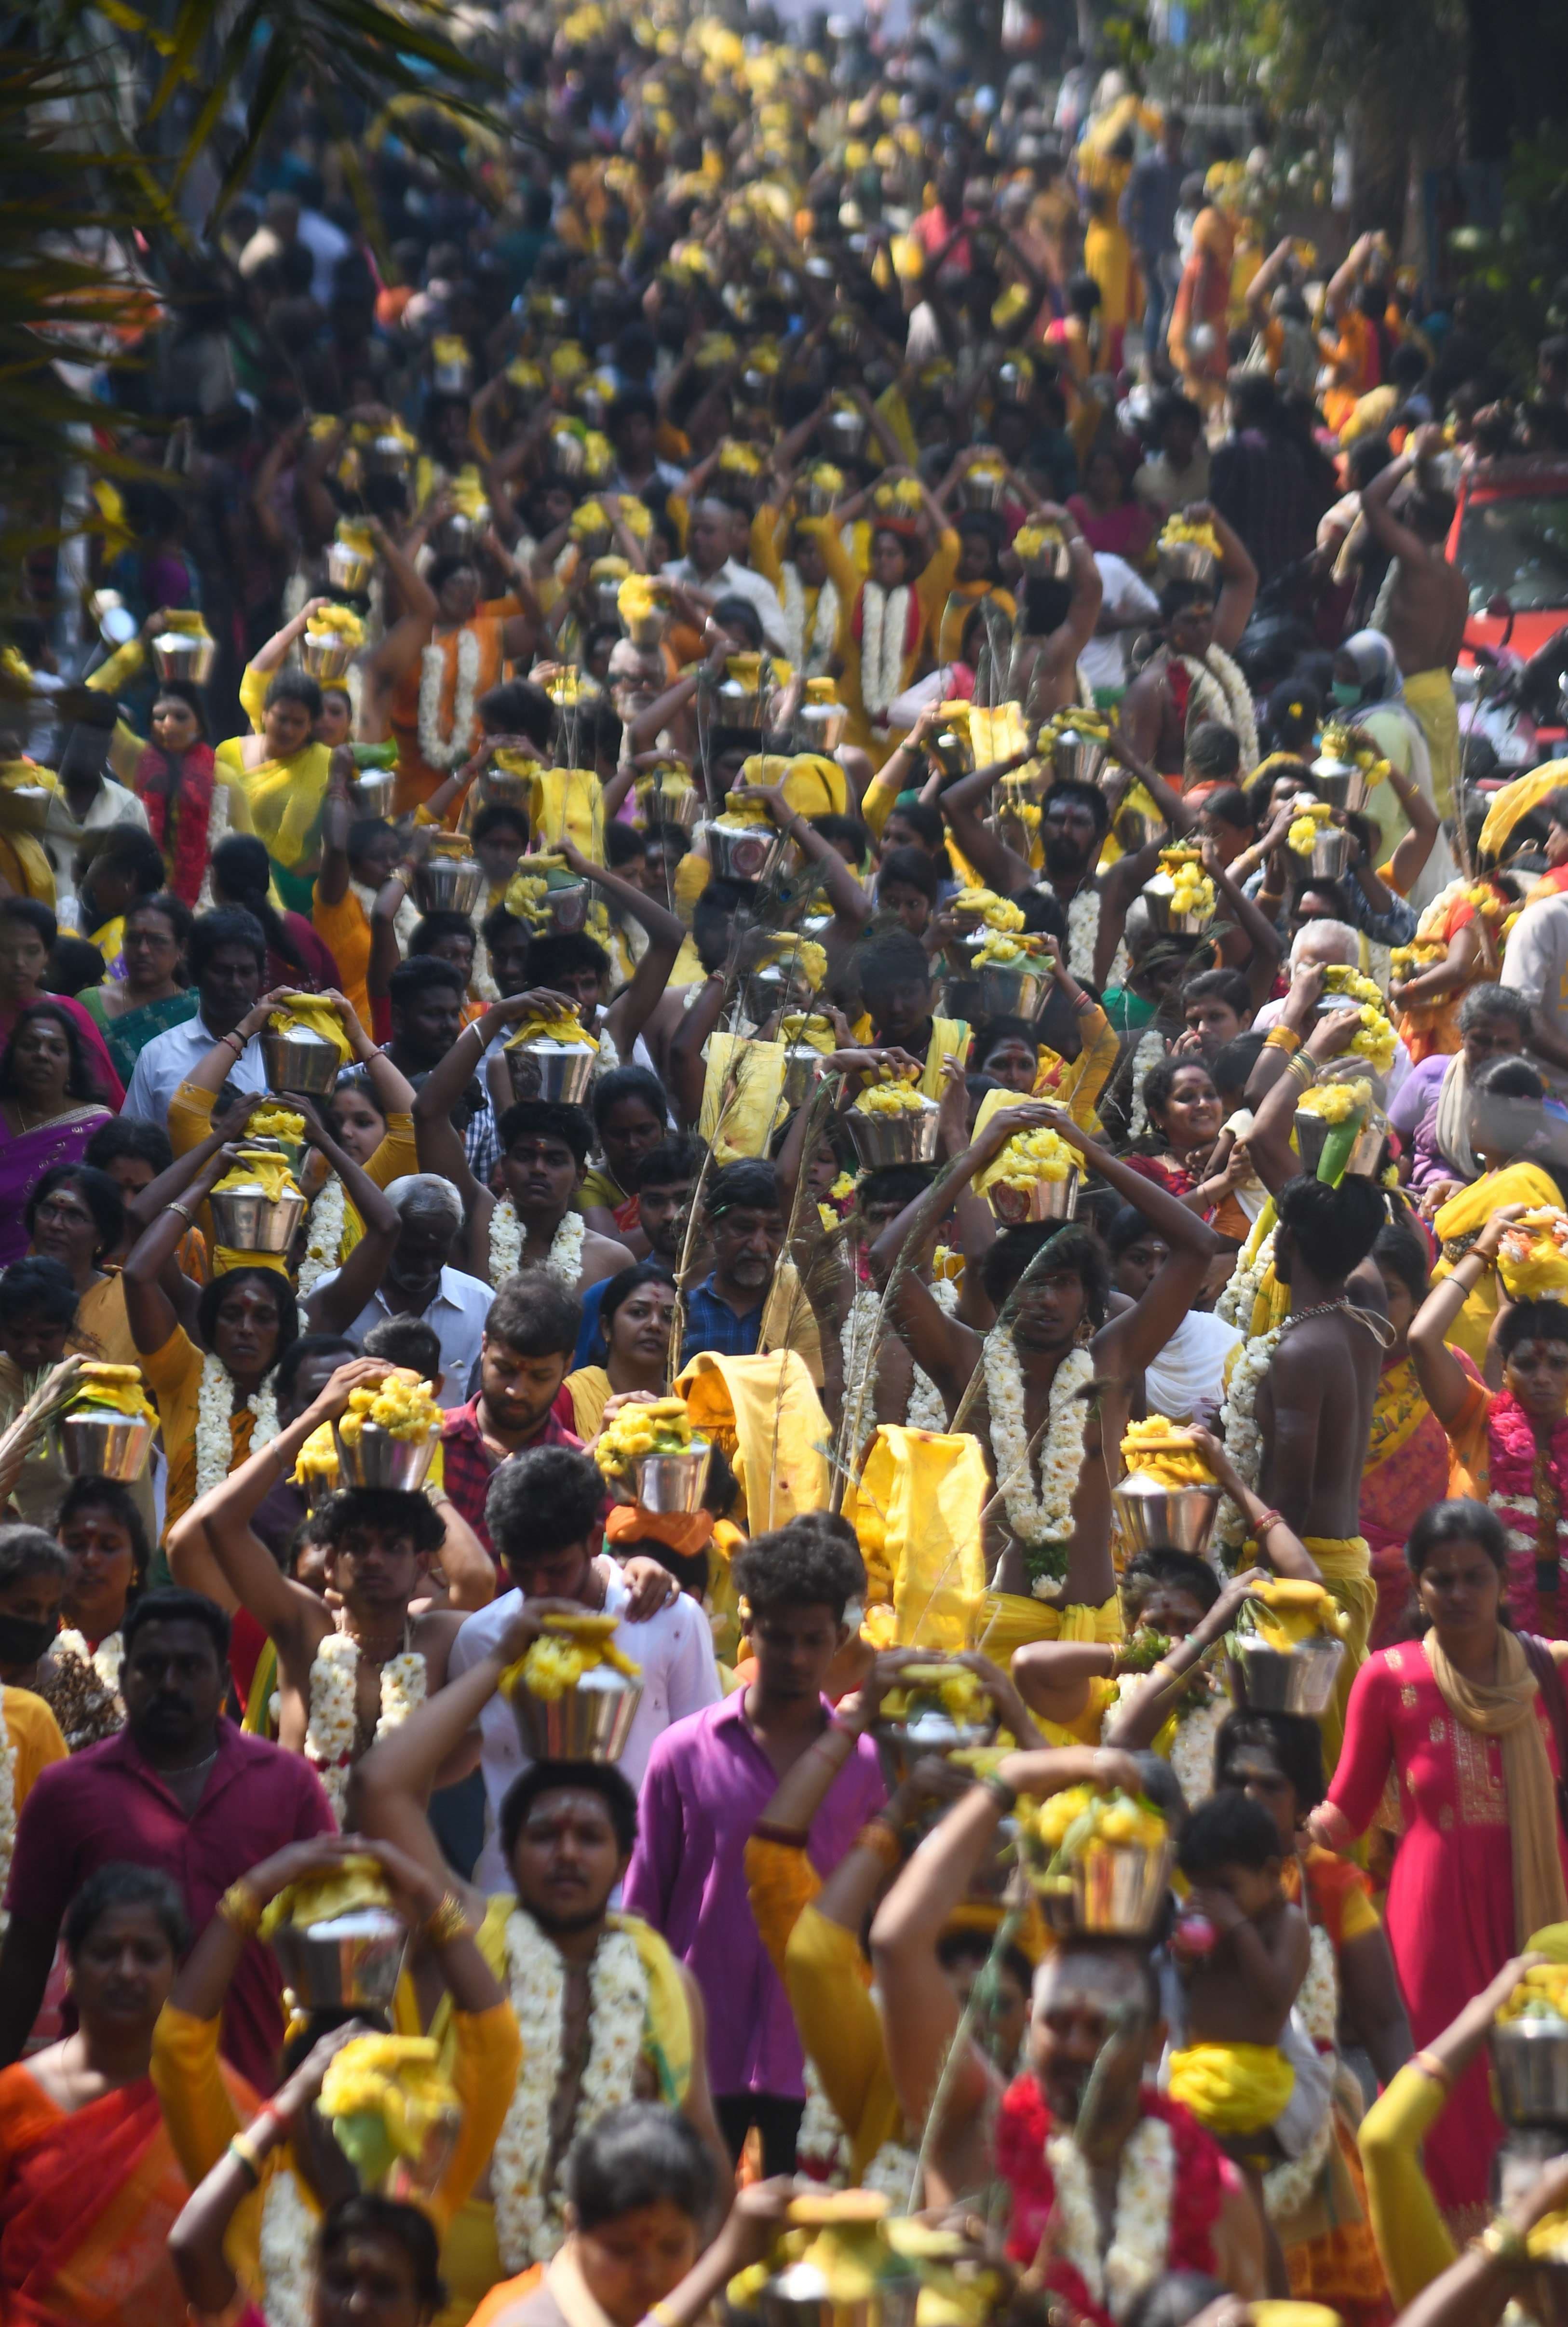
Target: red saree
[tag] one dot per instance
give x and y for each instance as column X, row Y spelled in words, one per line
column 1407, row 1468
column 87, row 2202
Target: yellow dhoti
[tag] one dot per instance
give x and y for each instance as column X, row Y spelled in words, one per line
column 1429, row 695
column 1232, row 2088
column 1345, row 1563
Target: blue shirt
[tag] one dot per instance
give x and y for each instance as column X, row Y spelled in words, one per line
column 587, row 1350
column 712, row 1324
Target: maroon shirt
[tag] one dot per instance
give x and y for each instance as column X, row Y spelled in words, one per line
column 107, row 1803
column 467, row 1470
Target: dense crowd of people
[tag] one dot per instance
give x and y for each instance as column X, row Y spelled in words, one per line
column 783, row 1248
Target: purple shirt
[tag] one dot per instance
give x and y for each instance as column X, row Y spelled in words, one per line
column 107, row 1803
column 708, row 1783
column 1414, row 1114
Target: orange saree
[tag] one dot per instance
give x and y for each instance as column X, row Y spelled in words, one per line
column 87, row 2202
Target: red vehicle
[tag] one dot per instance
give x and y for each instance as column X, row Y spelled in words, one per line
column 1510, row 539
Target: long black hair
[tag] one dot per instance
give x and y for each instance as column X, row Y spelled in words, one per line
column 241, row 870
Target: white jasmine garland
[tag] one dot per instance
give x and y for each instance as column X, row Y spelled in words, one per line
column 217, row 826
column 1083, row 930
column 215, row 1423
column 1141, row 2230
column 884, row 624
column 483, row 979
column 1198, row 1721
column 325, row 1244
column 1238, row 1428
column 405, row 919
column 1236, row 1303
column 564, row 1260
column 530, row 2224
column 609, row 1057
column 106, row 1659
column 1046, row 1517
column 1287, row 2187
column 285, row 2249
column 925, row 1409
column 436, row 750
column 1221, row 692
column 332, row 1719
column 811, row 632
column 821, row 2146
column 1151, row 1050
column 892, row 2172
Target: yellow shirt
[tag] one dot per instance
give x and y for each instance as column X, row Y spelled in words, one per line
column 32, row 1735
column 395, row 1156
column 1406, row 2219
column 173, row 1375
column 344, row 929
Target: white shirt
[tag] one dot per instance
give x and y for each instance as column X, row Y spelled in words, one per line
column 1104, row 661
column 1190, row 1370
column 455, row 1315
column 167, row 1060
column 732, row 580
column 680, row 1676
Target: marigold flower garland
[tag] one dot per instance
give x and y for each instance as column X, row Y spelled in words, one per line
column 436, row 750
column 333, row 1720
column 1041, row 1522
column 529, row 2225
column 563, row 1260
column 215, row 1423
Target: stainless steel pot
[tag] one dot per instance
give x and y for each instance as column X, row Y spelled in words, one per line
column 740, row 704
column 326, row 657
column 1114, row 1891
column 96, row 1444
column 1077, row 758
column 845, row 429
column 1054, row 562
column 819, row 727
column 354, row 1961
column 952, row 749
column 802, row 1071
column 348, row 570
column 1299, row 1680
column 589, row 1723
column 1158, row 1518
column 1331, row 852
column 674, row 1484
column 1046, row 1200
column 544, row 1068
column 377, row 1459
column 373, row 790
column 1157, row 894
column 567, row 907
column 1312, row 1132
column 387, row 455
column 907, row 1138
column 1340, row 782
column 187, row 655
column 982, row 489
column 298, row 1059
column 450, row 884
column 1530, row 2064
column 1009, row 991
column 744, row 852
column 246, row 1220
column 1187, row 561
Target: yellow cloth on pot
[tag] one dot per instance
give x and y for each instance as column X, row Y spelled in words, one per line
column 568, row 804
column 1011, row 1621
column 269, row 1173
column 1465, row 1215
column 226, row 1256
column 916, row 1508
column 1344, row 1565
column 317, row 1014
column 949, row 1036
column 816, row 786
column 740, row 1123
column 1231, row 2088
column 765, row 1415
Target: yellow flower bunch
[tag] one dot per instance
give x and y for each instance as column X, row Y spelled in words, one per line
column 1283, row 1612
column 825, row 477
column 1068, row 1822
column 738, row 459
column 1377, row 1042
column 402, row 1405
column 891, row 1098
column 903, row 496
column 447, row 348
column 345, row 1889
column 110, row 1390
column 1487, row 901
column 396, row 2080
column 567, row 362
column 844, row 1187
column 1166, row 1451
column 598, row 454
column 746, row 806
column 1031, row 1156
column 662, row 1426
column 569, row 1646
column 275, row 1122
column 1339, row 742
column 821, row 690
column 636, row 516
column 639, row 598
column 963, row 1695
column 588, row 520
column 1336, row 1102
column 1004, row 950
column 1075, row 719
column 1408, row 961
column 802, row 955
column 985, row 905
column 1305, row 826
column 318, row 1457
column 1175, row 533
column 714, row 349
column 355, row 537
column 1031, row 541
column 568, row 689
column 1191, row 890
column 1339, row 977
column 608, row 569
column 1533, row 1257
column 524, row 373
column 340, row 622
column 1541, row 1994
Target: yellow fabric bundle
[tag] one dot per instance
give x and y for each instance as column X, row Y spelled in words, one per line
column 1232, row 2088
column 801, row 1027
column 740, row 1121
column 1515, row 800
column 318, row 1015
column 1533, row 1257
column 538, row 1028
column 568, row 804
column 765, row 1415
column 342, row 1889
column 916, row 1507
column 1165, row 1452
column 340, row 622
column 318, row 1457
column 396, row 2078
column 256, row 1168
column 1543, row 1993
column 813, row 785
column 638, row 598
column 113, row 1389
column 1290, row 1611
column 226, row 1256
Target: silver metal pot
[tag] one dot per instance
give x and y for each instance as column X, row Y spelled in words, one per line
column 1077, row 758
column 744, row 852
column 348, row 570
column 819, row 727
column 450, row 884
column 1187, row 561
column 802, row 1071
column 818, row 498
column 590, row 1723
column 451, row 379
column 567, row 907
column 952, row 749
column 1311, row 1134
column 298, row 1059
column 1340, row 782
column 1047, row 1199
column 354, row 1961
column 377, row 1459
column 387, row 455
column 679, row 804
column 739, row 704
column 930, row 1728
column 674, row 1484
column 1054, row 562
column 645, row 630
column 1331, row 852
column 187, row 655
column 1114, row 1891
column 326, row 657
column 544, row 1068
column 982, row 489
column 1530, row 2063
column 1157, row 894
column 1299, row 1680
column 509, row 785
column 907, row 1138
column 567, row 454
column 846, row 430
column 1009, row 991
column 97, row 1443
column 373, row 790
column 246, row 1220
column 1158, row 1518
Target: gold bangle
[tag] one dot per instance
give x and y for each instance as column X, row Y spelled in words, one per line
column 248, row 2155
column 449, row 1921
column 1501, row 2243
column 1283, row 1038
column 240, row 1910
column 1302, row 1067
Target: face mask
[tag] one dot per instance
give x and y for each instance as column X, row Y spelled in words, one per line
column 1344, row 692
column 23, row 1642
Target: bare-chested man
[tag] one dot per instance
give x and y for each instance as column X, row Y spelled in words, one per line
column 1422, row 607
column 1192, row 677
column 1056, row 622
